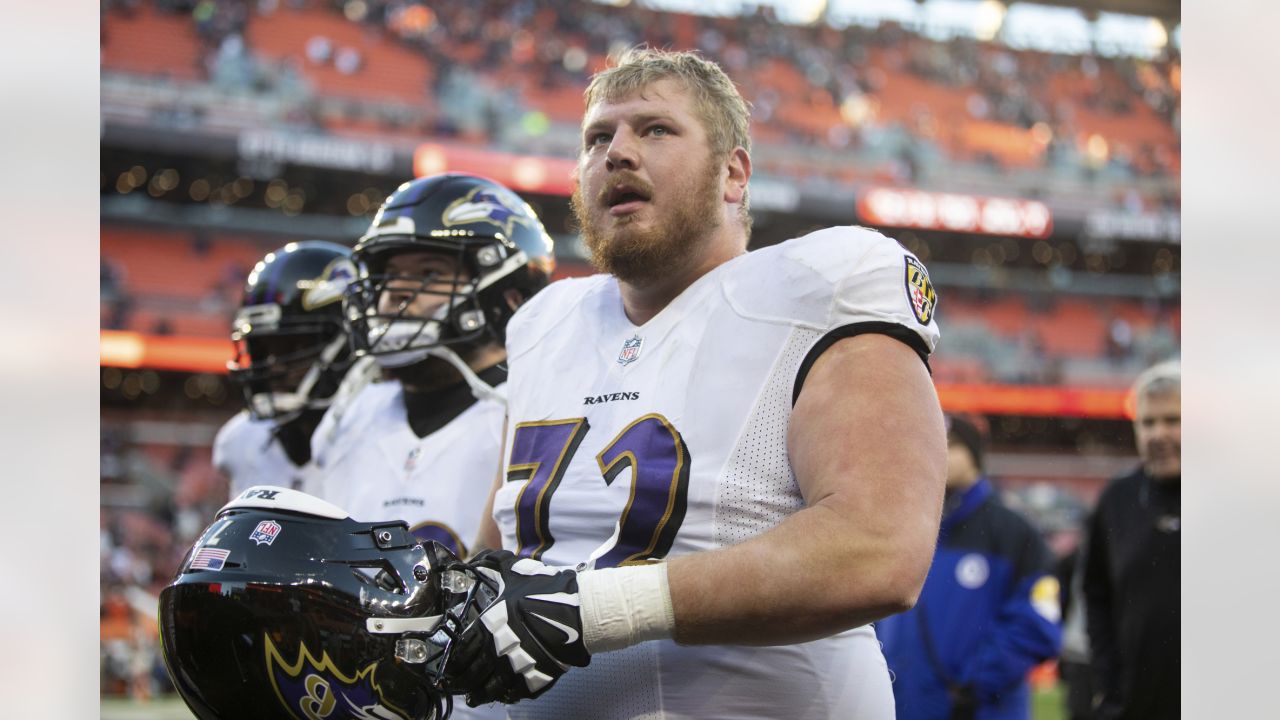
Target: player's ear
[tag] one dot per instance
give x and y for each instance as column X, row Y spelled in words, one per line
column 739, row 166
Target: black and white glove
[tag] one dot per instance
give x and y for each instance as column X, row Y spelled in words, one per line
column 525, row 640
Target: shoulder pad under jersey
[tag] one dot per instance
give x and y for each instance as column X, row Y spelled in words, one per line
column 547, row 310
column 835, row 277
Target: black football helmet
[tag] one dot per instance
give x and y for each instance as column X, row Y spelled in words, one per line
column 287, row 608
column 496, row 242
column 291, row 344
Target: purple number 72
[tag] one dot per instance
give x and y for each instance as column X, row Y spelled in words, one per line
column 659, row 462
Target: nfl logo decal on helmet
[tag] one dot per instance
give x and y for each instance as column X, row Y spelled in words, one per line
column 265, row 533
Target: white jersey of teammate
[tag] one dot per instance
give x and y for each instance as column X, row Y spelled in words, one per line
column 247, row 453
column 628, row 443
column 369, row 462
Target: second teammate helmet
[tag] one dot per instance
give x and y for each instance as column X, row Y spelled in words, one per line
column 490, row 235
column 291, row 345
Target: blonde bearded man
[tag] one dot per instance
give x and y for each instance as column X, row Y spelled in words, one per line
column 721, row 466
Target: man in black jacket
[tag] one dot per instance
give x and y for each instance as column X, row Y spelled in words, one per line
column 1131, row 568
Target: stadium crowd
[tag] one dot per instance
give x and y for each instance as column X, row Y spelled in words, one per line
column 914, row 100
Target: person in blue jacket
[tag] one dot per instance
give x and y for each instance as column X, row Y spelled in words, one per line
column 989, row 611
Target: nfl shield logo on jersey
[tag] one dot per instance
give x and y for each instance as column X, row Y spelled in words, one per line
column 266, row 532
column 411, row 462
column 630, row 351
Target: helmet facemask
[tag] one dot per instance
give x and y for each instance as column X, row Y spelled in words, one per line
column 290, row 341
column 459, row 285
column 285, row 368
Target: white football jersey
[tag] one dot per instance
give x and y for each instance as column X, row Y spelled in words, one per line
column 247, row 453
column 370, row 463
column 630, row 443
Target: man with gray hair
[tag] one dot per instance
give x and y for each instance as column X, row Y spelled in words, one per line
column 1132, row 564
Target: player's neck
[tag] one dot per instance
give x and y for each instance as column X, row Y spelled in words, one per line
column 433, row 373
column 642, row 302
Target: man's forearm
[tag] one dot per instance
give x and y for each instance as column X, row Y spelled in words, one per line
column 807, row 578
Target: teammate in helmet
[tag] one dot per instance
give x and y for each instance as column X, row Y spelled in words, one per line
column 291, row 356
column 444, row 264
column 288, row 608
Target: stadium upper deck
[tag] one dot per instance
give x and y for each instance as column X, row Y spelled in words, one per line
column 830, row 105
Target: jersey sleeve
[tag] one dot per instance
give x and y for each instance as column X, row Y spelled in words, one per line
column 837, row 278
column 840, row 282
column 877, row 283
column 221, row 443
column 226, row 444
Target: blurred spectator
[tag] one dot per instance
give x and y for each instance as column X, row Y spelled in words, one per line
column 162, row 326
column 120, row 313
column 988, row 612
column 1132, row 566
column 348, row 61
column 319, row 50
column 108, row 280
column 1119, row 341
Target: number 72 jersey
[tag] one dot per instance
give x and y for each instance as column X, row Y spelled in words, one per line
column 627, row 444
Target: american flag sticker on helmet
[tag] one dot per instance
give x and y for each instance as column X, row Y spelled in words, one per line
column 208, row 558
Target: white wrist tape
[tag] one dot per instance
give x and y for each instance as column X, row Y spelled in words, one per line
column 625, row 605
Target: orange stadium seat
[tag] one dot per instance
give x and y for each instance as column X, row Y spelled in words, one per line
column 1013, row 146
column 149, row 42
column 163, row 262
column 389, row 71
column 563, row 104
column 1006, row 316
column 1075, row 328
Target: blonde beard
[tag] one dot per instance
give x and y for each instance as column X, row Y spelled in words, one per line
column 640, row 257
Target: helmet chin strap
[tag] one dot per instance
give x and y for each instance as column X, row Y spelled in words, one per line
column 427, row 333
column 479, row 388
column 288, row 403
column 327, row 356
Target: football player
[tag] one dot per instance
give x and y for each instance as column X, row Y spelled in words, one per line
column 721, row 466
column 444, row 264
column 291, row 356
